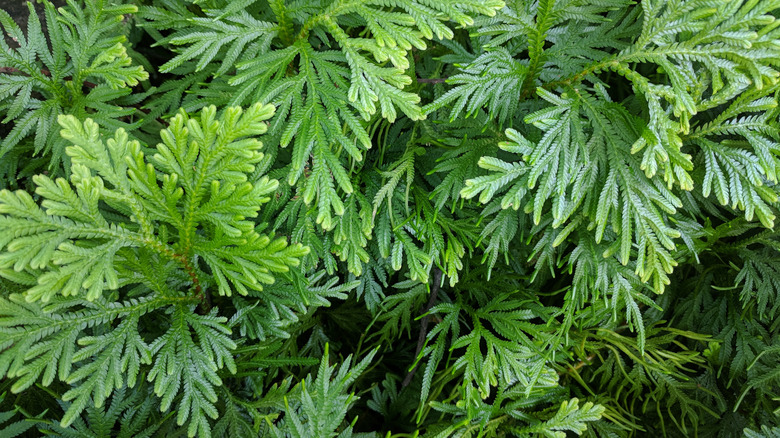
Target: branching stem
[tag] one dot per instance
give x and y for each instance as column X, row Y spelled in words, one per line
column 424, row 323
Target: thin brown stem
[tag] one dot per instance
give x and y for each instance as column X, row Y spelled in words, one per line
column 431, row 80
column 587, row 361
column 424, row 324
column 200, row 293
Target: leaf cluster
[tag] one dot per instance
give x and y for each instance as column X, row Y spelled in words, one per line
column 398, row 218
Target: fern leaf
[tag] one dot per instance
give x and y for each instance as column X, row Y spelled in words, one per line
column 319, row 408
column 183, row 366
column 87, row 47
column 570, row 417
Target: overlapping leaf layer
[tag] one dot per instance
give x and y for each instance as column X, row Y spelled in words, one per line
column 336, row 218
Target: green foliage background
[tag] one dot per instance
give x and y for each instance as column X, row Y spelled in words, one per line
column 396, row 218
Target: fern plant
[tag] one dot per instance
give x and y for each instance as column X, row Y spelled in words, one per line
column 471, row 218
column 83, row 69
column 171, row 228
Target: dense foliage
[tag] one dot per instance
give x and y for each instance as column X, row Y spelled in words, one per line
column 397, row 218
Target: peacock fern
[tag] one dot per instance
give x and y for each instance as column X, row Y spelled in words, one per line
column 465, row 218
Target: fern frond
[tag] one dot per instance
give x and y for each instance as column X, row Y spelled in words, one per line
column 186, row 368
column 129, row 415
column 41, row 83
column 570, row 417
column 493, row 81
column 41, row 344
column 581, row 165
column 320, row 407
